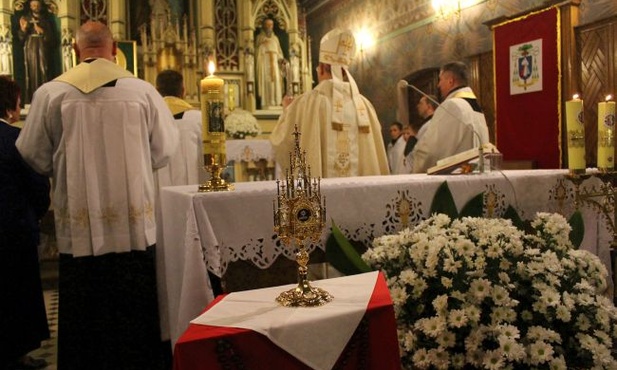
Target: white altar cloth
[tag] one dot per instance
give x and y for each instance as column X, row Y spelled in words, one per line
column 249, row 150
column 206, row 231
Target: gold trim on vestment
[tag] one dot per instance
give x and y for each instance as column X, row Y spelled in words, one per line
column 177, row 105
column 89, row 76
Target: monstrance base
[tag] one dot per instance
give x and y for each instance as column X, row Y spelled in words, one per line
column 304, row 295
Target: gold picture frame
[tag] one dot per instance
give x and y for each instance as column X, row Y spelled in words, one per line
column 126, row 55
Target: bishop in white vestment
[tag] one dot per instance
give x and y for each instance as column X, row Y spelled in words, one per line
column 340, row 131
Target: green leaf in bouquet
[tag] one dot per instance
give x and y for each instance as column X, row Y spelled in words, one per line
column 342, row 255
column 475, row 207
column 443, row 202
column 578, row 228
column 512, row 215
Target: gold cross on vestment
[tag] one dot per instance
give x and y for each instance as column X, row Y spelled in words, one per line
column 362, row 110
column 338, row 105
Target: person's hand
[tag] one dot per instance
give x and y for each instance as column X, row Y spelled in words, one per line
column 287, row 99
column 38, row 29
column 23, row 23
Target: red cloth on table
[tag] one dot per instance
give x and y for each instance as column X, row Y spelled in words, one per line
column 197, row 347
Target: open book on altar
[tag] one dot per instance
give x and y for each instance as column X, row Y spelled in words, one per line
column 464, row 162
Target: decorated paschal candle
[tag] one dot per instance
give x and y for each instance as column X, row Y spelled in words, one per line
column 212, row 109
column 575, row 126
column 606, row 134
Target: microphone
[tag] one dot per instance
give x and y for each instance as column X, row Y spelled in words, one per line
column 481, row 165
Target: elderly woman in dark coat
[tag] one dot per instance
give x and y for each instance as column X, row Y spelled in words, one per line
column 24, row 199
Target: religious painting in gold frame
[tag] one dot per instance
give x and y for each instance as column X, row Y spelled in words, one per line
column 233, row 90
column 126, row 55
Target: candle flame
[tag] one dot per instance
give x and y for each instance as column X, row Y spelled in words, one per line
column 609, row 97
column 575, row 96
column 211, row 68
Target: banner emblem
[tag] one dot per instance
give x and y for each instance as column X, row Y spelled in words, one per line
column 526, row 67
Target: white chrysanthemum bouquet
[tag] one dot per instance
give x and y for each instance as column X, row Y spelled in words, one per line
column 478, row 293
column 241, row 123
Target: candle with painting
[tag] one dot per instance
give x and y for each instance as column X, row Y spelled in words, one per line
column 575, row 126
column 606, row 134
column 213, row 129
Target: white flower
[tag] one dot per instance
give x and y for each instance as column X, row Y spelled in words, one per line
column 447, row 339
column 420, row 359
column 457, row 318
column 241, row 123
column 563, row 313
column 432, row 326
column 480, row 288
column 441, row 304
column 478, row 293
column 493, row 360
column 511, row 349
column 540, row 352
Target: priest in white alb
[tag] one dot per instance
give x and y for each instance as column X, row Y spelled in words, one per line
column 99, row 132
column 340, row 131
column 458, row 124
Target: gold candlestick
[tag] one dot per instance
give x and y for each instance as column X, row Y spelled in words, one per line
column 603, row 199
column 299, row 215
column 213, row 132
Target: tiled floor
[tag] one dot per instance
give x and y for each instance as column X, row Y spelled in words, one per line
column 48, row 350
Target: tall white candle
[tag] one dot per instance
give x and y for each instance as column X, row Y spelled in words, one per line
column 575, row 126
column 606, row 134
column 212, row 105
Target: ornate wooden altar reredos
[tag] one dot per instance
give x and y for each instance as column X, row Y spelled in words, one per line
column 229, row 32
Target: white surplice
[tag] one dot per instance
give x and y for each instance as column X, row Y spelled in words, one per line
column 454, row 128
column 100, row 147
column 396, row 155
column 185, row 166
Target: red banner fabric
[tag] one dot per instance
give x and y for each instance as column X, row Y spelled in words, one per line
column 528, row 123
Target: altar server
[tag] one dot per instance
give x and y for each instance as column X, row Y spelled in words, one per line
column 340, row 131
column 99, row 132
column 185, row 167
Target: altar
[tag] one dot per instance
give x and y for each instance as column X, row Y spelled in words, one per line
column 205, row 232
column 250, row 160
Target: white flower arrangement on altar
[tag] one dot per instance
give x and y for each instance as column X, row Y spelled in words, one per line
column 241, row 123
column 478, row 293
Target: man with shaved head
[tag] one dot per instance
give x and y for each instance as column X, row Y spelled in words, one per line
column 99, row 132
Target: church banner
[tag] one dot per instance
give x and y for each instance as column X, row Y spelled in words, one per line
column 527, row 92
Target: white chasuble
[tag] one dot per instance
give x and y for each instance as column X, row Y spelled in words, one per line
column 333, row 149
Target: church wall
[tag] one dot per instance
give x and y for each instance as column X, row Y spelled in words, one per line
column 409, row 37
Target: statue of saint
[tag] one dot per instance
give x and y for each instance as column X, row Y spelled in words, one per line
column 269, row 56
column 37, row 31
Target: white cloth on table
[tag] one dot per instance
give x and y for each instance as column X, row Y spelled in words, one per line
column 249, row 150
